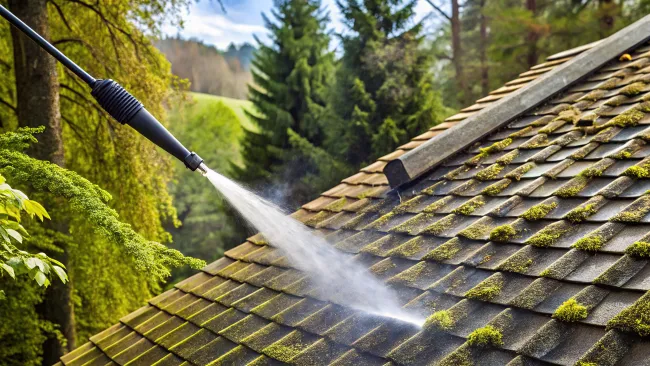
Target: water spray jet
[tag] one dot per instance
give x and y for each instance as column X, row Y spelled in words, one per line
column 338, row 278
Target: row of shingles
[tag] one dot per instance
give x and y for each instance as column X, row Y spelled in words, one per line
column 310, row 316
column 588, row 295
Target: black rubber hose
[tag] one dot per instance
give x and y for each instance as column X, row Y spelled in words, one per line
column 125, row 108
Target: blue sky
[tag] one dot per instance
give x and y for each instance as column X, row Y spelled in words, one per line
column 243, row 19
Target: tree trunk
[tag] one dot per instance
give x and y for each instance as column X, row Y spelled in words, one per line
column 607, row 10
column 37, row 95
column 457, row 52
column 532, row 37
column 485, row 79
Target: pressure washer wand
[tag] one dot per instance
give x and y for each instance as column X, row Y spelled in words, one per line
column 118, row 102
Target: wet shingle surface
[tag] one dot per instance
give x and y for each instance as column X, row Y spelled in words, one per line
column 547, row 212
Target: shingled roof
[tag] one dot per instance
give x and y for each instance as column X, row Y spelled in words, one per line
column 529, row 248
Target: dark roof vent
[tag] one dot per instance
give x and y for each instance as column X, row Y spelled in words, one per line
column 421, row 159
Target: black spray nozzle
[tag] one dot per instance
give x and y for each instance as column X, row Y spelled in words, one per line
column 115, row 100
column 125, row 108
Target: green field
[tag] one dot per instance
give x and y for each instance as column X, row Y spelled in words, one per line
column 237, row 105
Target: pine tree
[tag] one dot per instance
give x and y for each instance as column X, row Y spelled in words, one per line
column 383, row 94
column 291, row 76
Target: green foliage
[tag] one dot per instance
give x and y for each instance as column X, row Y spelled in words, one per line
column 14, row 261
column 570, row 311
column 208, row 228
column 383, row 93
column 291, row 76
column 486, row 336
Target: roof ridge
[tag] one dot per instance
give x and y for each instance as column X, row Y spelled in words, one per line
column 416, row 162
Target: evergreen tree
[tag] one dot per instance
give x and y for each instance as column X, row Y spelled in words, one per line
column 383, row 94
column 291, row 76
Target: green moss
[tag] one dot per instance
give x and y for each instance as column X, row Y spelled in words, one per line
column 549, row 235
column 459, row 357
column 490, row 172
column 579, row 214
column 635, row 212
column 636, row 171
column 516, row 174
column 507, row 158
column 590, row 243
column 639, row 249
column 408, row 249
column 410, row 225
column 440, row 320
column 486, row 336
column 571, row 311
column 596, row 170
column 535, row 293
column 518, row 263
column 437, row 205
column 623, row 154
column 536, row 141
column 615, row 101
column 583, row 363
column 475, row 231
column 629, row 118
column 573, row 187
column 632, row 89
column 538, row 211
column 635, row 318
column 470, row 206
column 503, row 233
column 488, row 289
column 440, row 226
column 283, row 353
column 362, row 195
column 521, row 132
column 337, row 205
column 609, row 84
column 496, row 147
column 496, row 188
column 382, row 220
column 445, row 252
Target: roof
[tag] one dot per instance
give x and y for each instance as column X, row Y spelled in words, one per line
column 528, row 248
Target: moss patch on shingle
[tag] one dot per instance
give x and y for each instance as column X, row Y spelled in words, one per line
column 579, row 214
column 591, row 243
column 516, row 174
column 445, row 252
column 470, row 206
column 440, row 320
column 437, row 205
column 572, row 187
column 635, row 318
column 487, row 289
column 536, row 141
column 632, row 89
column 490, row 172
column 640, row 249
column 496, row 188
column 549, row 235
column 507, row 158
column 635, row 212
column 636, row 171
column 496, row 147
column 628, row 118
column 503, row 233
column 538, row 211
column 440, row 226
column 486, row 336
column 517, row 263
column 571, row 311
column 475, row 231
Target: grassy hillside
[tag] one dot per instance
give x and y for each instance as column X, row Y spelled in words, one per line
column 237, row 105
